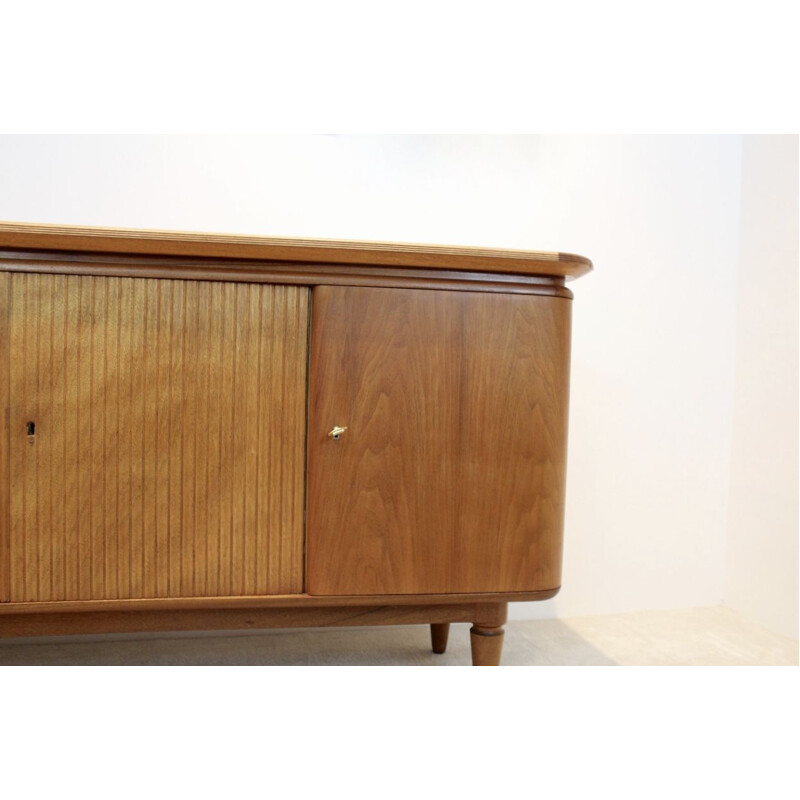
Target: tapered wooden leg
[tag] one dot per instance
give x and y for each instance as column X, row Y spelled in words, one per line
column 439, row 633
column 487, row 644
column 486, row 634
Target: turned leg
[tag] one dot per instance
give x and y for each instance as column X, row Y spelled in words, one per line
column 487, row 644
column 486, row 635
column 439, row 632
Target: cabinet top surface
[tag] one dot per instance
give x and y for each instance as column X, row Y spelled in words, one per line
column 68, row 238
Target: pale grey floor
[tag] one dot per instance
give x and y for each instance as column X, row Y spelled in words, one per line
column 700, row 636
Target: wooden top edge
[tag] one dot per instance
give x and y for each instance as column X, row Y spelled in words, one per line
column 70, row 238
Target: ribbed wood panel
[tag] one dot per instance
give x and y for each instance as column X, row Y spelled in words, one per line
column 168, row 453
column 5, row 480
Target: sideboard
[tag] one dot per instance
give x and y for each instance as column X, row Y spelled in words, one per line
column 204, row 431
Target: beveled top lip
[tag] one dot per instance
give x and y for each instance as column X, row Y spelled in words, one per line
column 76, row 238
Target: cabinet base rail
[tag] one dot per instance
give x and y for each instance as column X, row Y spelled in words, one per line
column 487, row 619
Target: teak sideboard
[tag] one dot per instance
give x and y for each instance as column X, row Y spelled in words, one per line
column 228, row 432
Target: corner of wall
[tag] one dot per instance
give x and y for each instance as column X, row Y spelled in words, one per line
column 761, row 565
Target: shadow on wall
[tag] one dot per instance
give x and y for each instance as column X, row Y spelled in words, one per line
column 388, row 646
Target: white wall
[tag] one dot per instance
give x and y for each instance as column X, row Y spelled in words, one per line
column 653, row 346
column 762, row 564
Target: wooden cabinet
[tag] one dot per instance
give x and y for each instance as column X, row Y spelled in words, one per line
column 169, row 456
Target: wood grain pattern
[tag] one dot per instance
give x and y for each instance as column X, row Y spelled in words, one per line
column 167, row 459
column 111, row 240
column 451, row 475
column 5, row 466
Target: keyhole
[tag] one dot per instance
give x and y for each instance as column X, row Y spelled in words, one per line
column 31, row 429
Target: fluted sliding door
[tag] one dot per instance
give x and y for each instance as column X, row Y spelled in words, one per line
column 155, row 438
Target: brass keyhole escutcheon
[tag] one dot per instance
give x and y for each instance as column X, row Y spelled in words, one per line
column 337, row 431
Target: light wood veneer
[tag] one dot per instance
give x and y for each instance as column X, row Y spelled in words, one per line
column 168, row 453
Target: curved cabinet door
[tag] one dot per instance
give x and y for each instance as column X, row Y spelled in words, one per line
column 156, row 438
column 449, row 477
